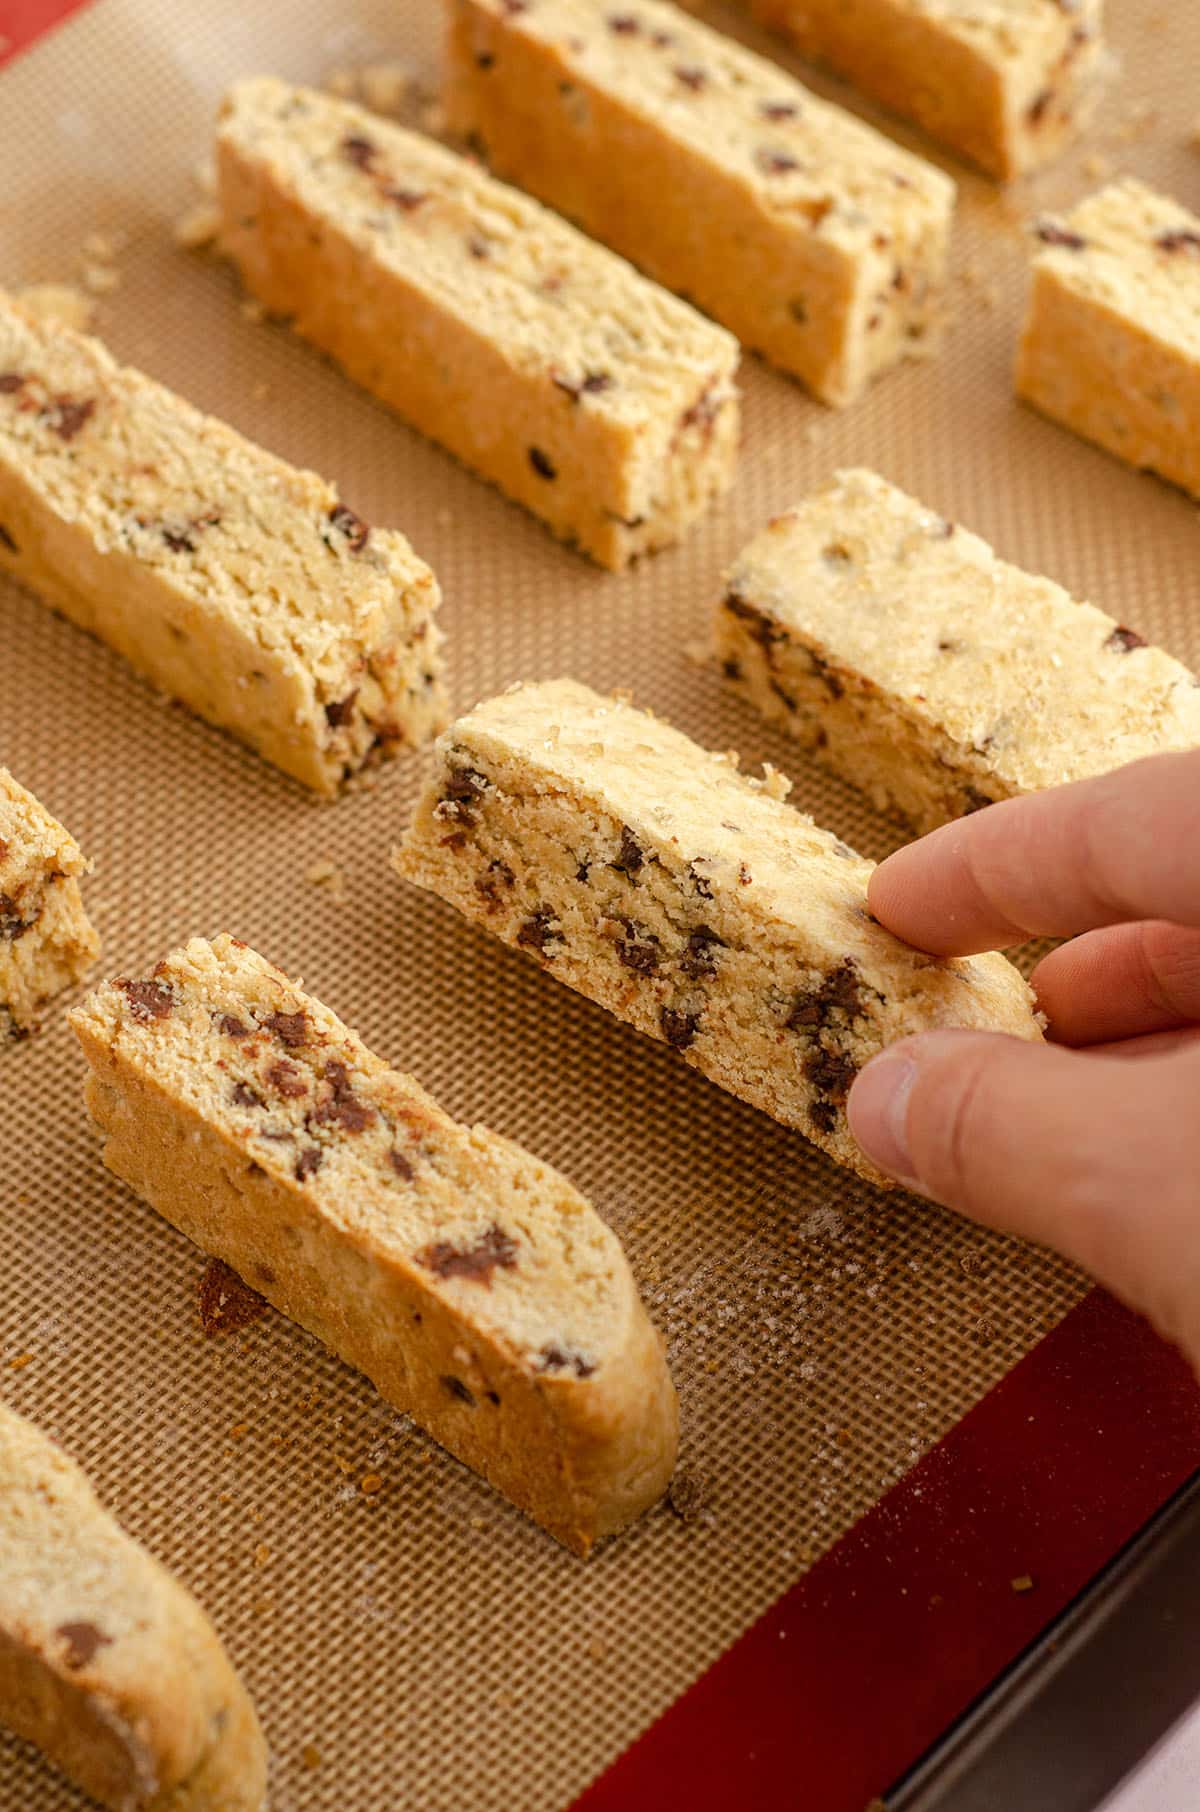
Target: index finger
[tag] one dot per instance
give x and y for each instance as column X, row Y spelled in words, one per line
column 1122, row 846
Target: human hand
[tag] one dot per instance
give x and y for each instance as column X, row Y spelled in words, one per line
column 1091, row 1143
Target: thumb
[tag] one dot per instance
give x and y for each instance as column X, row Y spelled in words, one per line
column 1095, row 1156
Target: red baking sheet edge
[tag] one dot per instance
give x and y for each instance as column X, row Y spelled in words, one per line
column 22, row 22
column 866, row 1661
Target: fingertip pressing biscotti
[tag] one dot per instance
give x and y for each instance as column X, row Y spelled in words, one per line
column 1111, row 343
column 543, row 361
column 816, row 240
column 107, row 1663
column 47, row 942
column 906, row 657
column 1007, row 86
column 472, row 1284
column 688, row 899
column 231, row 580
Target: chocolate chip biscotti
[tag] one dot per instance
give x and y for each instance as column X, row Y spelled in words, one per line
column 106, row 1662
column 689, row 900
column 815, row 239
column 1006, row 84
column 1111, row 346
column 472, row 1284
column 46, row 938
column 231, row 580
column 911, row 660
column 545, row 362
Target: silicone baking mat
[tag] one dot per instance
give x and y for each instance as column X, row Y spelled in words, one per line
column 422, row 1644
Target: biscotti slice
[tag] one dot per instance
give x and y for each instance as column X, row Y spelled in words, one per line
column 1007, row 85
column 815, row 239
column 912, row 661
column 545, row 362
column 689, row 900
column 106, row 1662
column 229, row 579
column 472, row 1284
column 46, row 938
column 1111, row 346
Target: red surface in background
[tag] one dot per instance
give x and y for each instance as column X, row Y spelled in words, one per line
column 864, row 1663
column 22, row 21
column 858, row 1669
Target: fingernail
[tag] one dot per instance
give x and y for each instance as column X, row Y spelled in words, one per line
column 878, row 1114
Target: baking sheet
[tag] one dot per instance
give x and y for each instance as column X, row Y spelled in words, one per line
column 423, row 1644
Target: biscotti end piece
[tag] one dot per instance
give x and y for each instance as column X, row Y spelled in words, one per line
column 543, row 361
column 471, row 1283
column 909, row 659
column 689, row 900
column 1111, row 345
column 231, row 580
column 819, row 242
column 47, row 942
column 1008, row 87
column 106, row 1663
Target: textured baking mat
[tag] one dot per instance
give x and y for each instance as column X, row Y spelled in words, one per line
column 423, row 1644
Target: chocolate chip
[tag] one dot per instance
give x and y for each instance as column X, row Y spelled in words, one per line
column 542, row 464
column 287, row 1080
column 495, row 1250
column 1039, row 106
column 356, row 531
column 70, row 416
column 1050, row 233
column 830, row 1072
column 308, row 1163
column 662, row 39
column 463, row 785
column 359, row 150
column 798, row 310
column 778, row 110
column 630, row 856
column 942, row 529
column 638, row 949
column 10, row 381
column 699, row 882
column 678, row 1027
column 624, row 24
column 291, row 1029
column 698, row 958
column 691, row 77
column 582, row 872
column 703, row 413
column 226, row 1303
column 513, row 7
column 823, row 1114
column 7, row 541
column 407, row 199
column 341, row 1106
column 591, row 384
column 148, row 1000
column 539, row 930
column 83, row 1641
column 1124, row 641
column 457, row 1388
column 775, row 163
column 401, row 1165
column 1179, row 239
column 244, row 1096
column 732, row 668
column 556, row 1359
column 340, row 711
column 178, row 540
column 840, row 990
column 497, row 874
column 12, row 925
column 485, row 60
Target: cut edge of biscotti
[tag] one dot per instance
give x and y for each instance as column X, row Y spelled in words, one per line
column 120, row 1677
column 602, row 403
column 47, row 942
column 691, row 901
column 472, row 1283
column 232, row 580
column 866, row 680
